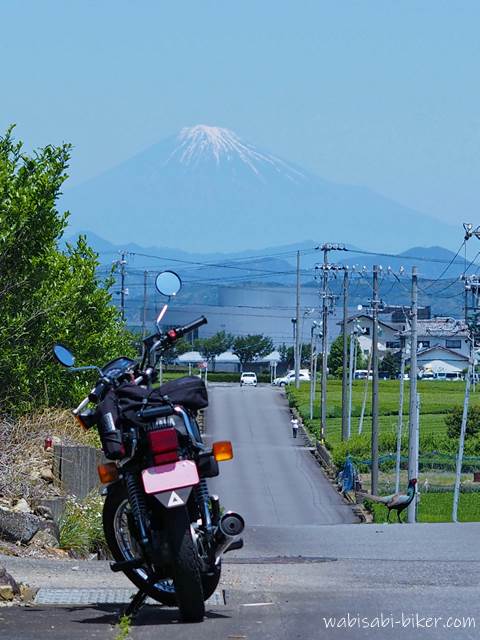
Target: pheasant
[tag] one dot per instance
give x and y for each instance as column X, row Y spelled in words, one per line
column 397, row 501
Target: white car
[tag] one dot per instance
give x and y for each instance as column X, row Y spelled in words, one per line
column 303, row 376
column 248, row 378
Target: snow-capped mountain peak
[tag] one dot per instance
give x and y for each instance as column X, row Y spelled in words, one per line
column 202, row 142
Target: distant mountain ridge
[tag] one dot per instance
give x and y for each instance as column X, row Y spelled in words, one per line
column 205, row 190
column 273, row 264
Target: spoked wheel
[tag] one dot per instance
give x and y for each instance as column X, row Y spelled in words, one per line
column 124, row 546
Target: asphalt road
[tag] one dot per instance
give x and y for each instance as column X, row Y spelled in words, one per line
column 273, row 479
column 302, row 570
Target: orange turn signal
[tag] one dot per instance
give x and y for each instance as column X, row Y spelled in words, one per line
column 222, row 450
column 107, row 472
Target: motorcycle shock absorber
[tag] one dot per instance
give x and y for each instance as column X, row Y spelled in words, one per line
column 136, row 498
column 202, row 497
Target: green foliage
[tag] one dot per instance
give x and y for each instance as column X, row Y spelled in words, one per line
column 248, row 348
column 390, row 364
column 437, row 398
column 124, row 627
column 335, row 357
column 453, row 422
column 214, row 346
column 47, row 296
column 287, row 356
column 81, row 528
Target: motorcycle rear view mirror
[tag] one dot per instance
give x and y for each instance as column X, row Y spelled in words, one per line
column 63, row 355
column 168, row 283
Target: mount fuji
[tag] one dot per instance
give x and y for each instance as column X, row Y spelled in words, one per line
column 206, row 190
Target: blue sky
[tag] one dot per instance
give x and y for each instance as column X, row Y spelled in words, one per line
column 378, row 93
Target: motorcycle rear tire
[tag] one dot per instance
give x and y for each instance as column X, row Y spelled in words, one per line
column 116, row 499
column 186, row 566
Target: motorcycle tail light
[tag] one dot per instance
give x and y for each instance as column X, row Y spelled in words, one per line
column 165, row 458
column 222, row 450
column 163, row 441
column 107, row 472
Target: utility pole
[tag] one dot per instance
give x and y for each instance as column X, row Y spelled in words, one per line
column 400, row 413
column 298, row 355
column 345, row 415
column 294, row 341
column 472, row 284
column 326, row 299
column 375, row 411
column 123, row 290
column 351, row 372
column 313, row 365
column 144, row 318
column 412, row 419
column 323, row 407
column 365, row 392
column 123, row 262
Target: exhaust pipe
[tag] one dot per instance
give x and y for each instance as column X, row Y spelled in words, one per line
column 230, row 526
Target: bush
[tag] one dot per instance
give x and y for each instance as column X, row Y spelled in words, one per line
column 47, row 295
column 453, row 422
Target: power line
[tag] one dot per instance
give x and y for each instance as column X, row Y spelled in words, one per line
column 448, row 266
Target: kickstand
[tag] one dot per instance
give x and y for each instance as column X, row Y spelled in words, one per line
column 135, row 605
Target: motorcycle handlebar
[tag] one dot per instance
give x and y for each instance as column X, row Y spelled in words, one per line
column 188, row 328
column 96, row 394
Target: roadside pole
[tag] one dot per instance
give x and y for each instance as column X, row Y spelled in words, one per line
column 400, row 414
column 313, row 368
column 365, row 393
column 298, row 355
column 351, row 368
column 461, row 443
column 412, row 418
column 144, row 317
column 345, row 416
column 375, row 400
column 472, row 284
column 323, row 406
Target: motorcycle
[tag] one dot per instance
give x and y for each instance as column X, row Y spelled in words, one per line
column 163, row 528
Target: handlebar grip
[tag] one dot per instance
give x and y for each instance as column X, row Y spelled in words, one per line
column 97, row 393
column 188, row 328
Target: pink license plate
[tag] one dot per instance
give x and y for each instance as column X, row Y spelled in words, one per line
column 166, row 477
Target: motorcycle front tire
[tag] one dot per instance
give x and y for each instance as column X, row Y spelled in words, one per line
column 115, row 503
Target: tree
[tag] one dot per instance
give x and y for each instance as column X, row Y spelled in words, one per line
column 214, row 346
column 249, row 348
column 335, row 357
column 46, row 295
column 390, row 364
column 287, row 355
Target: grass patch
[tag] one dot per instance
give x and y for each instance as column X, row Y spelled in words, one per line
column 436, row 399
column 435, row 507
column 21, row 449
column 81, row 528
column 123, row 627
